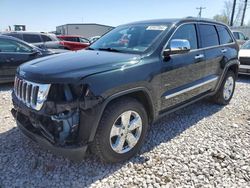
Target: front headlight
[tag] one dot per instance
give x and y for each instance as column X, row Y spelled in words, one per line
column 42, row 93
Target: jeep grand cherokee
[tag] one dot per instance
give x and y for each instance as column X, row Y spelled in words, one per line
column 104, row 98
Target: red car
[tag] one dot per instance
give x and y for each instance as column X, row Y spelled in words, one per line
column 73, row 42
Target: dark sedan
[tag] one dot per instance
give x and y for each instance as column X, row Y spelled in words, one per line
column 14, row 52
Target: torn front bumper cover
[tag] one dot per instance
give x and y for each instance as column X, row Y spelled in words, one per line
column 73, row 153
column 22, row 114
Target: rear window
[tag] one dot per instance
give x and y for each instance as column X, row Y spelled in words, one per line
column 209, row 35
column 46, row 38
column 12, row 46
column 31, row 38
column 224, row 35
column 71, row 39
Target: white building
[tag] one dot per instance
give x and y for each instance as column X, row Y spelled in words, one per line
column 85, row 30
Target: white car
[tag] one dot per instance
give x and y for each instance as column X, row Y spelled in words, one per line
column 244, row 57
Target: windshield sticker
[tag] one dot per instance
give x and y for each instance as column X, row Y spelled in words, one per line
column 157, row 27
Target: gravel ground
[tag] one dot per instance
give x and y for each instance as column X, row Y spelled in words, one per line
column 203, row 145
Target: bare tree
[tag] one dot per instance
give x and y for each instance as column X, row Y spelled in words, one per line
column 239, row 13
column 225, row 16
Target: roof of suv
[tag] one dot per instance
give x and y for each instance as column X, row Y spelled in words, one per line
column 177, row 20
column 28, row 32
column 10, row 37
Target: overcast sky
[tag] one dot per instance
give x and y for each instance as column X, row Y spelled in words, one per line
column 45, row 15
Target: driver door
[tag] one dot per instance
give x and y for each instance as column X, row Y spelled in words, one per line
column 182, row 73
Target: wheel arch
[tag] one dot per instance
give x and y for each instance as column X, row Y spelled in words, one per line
column 232, row 65
column 141, row 94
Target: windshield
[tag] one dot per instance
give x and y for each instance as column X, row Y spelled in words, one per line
column 246, row 45
column 129, row 38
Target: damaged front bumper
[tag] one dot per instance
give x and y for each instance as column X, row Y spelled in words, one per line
column 55, row 131
column 76, row 153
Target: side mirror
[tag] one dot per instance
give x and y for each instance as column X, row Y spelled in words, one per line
column 35, row 53
column 177, row 46
column 246, row 38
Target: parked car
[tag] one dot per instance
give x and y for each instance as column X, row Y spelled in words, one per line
column 14, row 52
column 41, row 40
column 244, row 57
column 105, row 97
column 74, row 42
column 240, row 37
column 93, row 39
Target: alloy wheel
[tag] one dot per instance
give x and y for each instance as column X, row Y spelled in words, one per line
column 228, row 88
column 125, row 132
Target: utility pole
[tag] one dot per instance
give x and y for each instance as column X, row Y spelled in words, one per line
column 200, row 10
column 244, row 13
column 232, row 15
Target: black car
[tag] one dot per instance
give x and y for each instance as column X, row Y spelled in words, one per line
column 104, row 98
column 14, row 52
column 41, row 40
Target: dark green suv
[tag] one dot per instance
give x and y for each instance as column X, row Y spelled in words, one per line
column 105, row 97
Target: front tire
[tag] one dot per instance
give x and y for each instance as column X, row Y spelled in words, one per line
column 121, row 131
column 226, row 90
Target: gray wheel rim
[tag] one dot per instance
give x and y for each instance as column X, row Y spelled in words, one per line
column 126, row 132
column 228, row 88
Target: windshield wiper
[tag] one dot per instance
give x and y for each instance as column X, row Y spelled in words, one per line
column 109, row 49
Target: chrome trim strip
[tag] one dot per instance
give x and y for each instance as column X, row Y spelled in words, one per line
column 244, row 66
column 191, row 88
column 200, row 49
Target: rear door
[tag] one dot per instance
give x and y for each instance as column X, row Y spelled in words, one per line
column 213, row 52
column 228, row 47
column 13, row 53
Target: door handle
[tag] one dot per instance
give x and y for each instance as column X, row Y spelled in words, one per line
column 224, row 50
column 200, row 56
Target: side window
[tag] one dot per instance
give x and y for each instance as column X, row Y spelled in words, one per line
column 31, row 38
column 11, row 46
column 236, row 35
column 242, row 37
column 187, row 32
column 224, row 35
column 209, row 36
column 83, row 40
column 46, row 38
column 71, row 39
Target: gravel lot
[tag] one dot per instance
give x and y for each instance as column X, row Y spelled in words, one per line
column 203, row 145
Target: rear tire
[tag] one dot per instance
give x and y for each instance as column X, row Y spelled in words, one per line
column 121, row 131
column 226, row 90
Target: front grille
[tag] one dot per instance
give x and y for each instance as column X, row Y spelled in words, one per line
column 31, row 94
column 245, row 60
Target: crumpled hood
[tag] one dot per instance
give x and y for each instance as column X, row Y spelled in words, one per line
column 72, row 66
